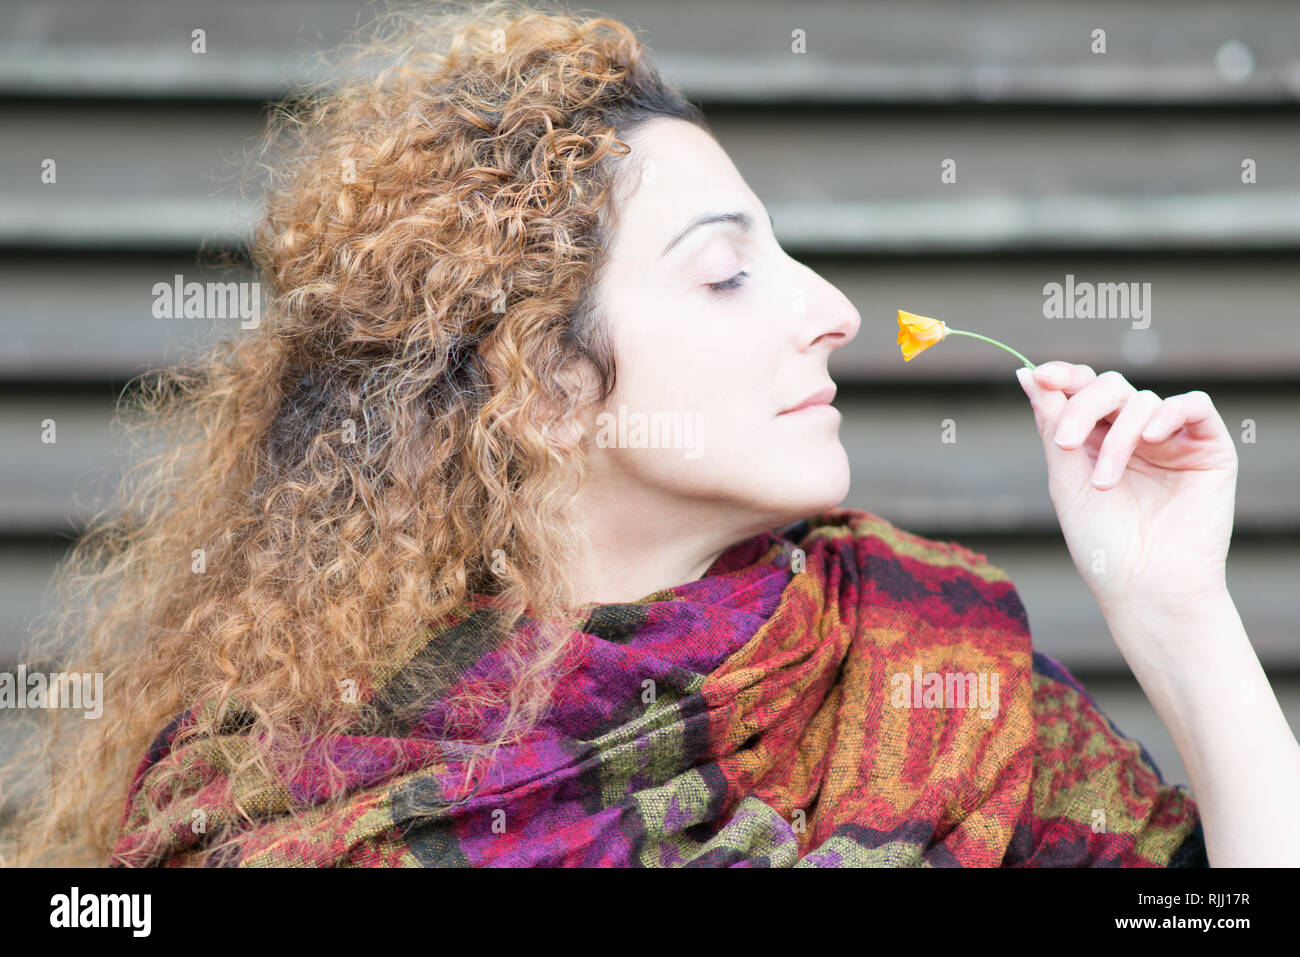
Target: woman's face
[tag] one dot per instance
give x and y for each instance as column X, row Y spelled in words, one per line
column 717, row 333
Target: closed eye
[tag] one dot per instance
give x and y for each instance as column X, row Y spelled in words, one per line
column 735, row 282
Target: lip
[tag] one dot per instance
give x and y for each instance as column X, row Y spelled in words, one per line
column 821, row 397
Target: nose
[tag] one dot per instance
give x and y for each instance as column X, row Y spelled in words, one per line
column 836, row 320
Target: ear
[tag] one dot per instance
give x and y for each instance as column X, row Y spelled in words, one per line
column 487, row 351
column 561, row 432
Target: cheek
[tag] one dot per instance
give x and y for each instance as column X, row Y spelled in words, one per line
column 692, row 358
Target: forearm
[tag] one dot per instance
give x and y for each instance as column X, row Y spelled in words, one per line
column 1206, row 684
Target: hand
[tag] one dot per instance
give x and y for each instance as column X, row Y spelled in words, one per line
column 1144, row 489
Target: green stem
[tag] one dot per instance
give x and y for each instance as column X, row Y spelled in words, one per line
column 1000, row 345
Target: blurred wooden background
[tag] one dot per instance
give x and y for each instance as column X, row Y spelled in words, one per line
column 1115, row 167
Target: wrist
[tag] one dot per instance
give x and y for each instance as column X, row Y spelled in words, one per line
column 1183, row 606
column 1176, row 633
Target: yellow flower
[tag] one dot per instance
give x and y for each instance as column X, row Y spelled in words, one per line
column 918, row 333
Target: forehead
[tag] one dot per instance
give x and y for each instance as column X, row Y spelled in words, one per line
column 674, row 172
column 675, row 146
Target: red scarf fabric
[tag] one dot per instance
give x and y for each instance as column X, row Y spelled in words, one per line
column 838, row 694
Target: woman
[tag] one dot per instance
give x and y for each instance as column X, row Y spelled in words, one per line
column 491, row 545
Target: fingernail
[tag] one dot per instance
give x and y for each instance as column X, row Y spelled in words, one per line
column 1066, row 434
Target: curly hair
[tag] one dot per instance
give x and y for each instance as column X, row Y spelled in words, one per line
column 332, row 482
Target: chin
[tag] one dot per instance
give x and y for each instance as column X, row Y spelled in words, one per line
column 833, row 499
column 815, row 500
column 795, row 483
column 832, row 476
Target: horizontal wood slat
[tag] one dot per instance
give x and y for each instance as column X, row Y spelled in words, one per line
column 167, row 175
column 1208, row 318
column 1012, row 51
column 991, row 479
column 1211, row 318
column 994, row 478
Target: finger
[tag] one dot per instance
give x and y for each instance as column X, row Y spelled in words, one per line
column 1066, row 471
column 1193, row 411
column 1106, row 394
column 1167, row 419
column 1068, row 377
column 1063, row 378
column 1123, row 436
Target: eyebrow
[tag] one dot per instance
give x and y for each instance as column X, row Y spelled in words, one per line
column 742, row 219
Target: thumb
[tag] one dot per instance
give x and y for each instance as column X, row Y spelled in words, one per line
column 1067, row 469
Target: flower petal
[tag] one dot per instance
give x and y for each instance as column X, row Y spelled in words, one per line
column 918, row 333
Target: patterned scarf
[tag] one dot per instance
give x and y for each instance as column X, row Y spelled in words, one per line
column 836, row 694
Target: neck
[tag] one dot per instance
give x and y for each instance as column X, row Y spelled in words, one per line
column 644, row 542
